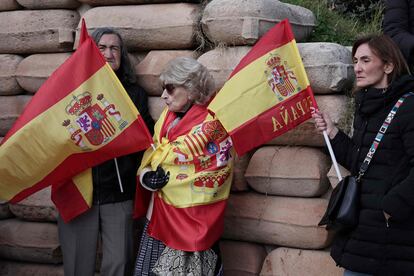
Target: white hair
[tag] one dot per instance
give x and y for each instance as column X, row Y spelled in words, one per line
column 189, row 73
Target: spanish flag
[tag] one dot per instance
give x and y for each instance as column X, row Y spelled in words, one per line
column 267, row 94
column 80, row 117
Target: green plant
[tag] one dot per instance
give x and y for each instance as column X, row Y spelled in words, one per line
column 342, row 28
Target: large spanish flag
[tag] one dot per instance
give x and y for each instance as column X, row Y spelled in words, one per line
column 267, row 94
column 80, row 117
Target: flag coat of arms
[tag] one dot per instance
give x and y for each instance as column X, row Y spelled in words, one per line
column 267, row 94
column 79, row 118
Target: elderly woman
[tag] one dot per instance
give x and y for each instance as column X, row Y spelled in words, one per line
column 383, row 241
column 189, row 174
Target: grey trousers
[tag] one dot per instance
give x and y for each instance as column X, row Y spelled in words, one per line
column 79, row 239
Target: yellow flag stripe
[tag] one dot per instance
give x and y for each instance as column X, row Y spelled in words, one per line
column 253, row 82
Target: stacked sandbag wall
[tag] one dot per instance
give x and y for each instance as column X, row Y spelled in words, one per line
column 280, row 189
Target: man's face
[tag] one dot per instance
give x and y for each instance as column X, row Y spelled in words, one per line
column 110, row 48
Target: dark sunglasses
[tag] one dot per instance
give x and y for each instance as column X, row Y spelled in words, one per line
column 169, row 87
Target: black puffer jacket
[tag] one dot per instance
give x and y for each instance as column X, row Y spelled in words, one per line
column 399, row 25
column 388, row 185
column 105, row 181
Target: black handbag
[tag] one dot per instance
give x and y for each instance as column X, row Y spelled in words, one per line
column 342, row 212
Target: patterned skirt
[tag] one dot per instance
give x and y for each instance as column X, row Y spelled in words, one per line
column 151, row 249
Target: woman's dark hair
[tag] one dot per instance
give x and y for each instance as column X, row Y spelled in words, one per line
column 387, row 51
column 125, row 73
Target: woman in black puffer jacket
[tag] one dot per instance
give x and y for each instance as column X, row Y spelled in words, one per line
column 383, row 241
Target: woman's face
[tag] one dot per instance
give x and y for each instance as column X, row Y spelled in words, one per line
column 110, row 47
column 176, row 97
column 370, row 70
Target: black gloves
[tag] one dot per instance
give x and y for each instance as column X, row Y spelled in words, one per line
column 154, row 180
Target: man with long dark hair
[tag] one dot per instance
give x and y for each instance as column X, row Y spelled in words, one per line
column 114, row 181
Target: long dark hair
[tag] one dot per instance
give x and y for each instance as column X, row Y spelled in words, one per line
column 125, row 73
column 387, row 51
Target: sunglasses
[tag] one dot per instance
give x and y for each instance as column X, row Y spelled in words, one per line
column 169, row 88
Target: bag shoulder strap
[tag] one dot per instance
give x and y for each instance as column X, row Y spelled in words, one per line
column 380, row 134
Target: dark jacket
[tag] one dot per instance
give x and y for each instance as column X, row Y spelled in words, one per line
column 388, row 185
column 399, row 25
column 105, row 180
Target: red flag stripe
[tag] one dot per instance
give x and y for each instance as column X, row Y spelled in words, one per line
column 246, row 137
column 176, row 229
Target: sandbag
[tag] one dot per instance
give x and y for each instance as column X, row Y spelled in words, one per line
column 236, row 22
column 149, row 69
column 49, row 4
column 10, row 268
column 298, row 262
column 156, row 105
column 34, row 70
column 4, row 209
column 10, row 109
column 29, row 241
column 9, row 5
column 330, row 71
column 8, row 82
column 37, row 31
column 143, row 27
column 239, row 180
column 289, row 171
column 131, row 2
column 283, row 221
column 221, row 61
column 242, row 258
column 37, row 207
column 328, row 66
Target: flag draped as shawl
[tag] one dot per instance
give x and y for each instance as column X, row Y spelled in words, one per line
column 267, row 94
column 80, row 117
column 188, row 212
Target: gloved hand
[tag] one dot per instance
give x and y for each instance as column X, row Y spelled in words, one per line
column 154, row 180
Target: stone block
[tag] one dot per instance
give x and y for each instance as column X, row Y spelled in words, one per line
column 283, row 221
column 235, row 22
column 242, row 258
column 298, row 262
column 9, row 5
column 37, row 31
column 143, row 27
column 10, row 109
column 35, row 242
column 289, row 171
column 10, row 268
column 34, row 70
column 37, row 207
column 49, row 4
column 8, row 82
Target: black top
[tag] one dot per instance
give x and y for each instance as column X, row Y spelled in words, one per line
column 105, row 180
column 388, row 184
column 399, row 25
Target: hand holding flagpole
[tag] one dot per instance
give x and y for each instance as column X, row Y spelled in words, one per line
column 317, row 115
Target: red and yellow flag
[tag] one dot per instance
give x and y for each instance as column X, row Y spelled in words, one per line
column 188, row 213
column 267, row 94
column 80, row 117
